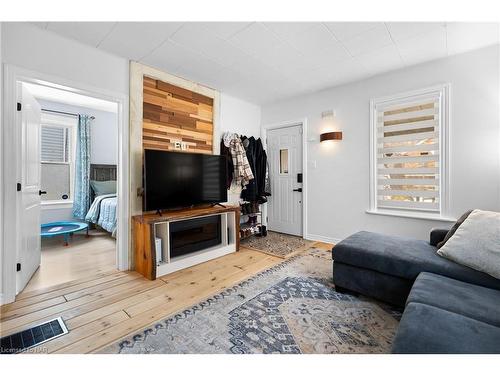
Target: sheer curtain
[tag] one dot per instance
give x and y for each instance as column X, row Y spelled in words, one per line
column 81, row 197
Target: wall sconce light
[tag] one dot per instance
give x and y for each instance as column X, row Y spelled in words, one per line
column 335, row 136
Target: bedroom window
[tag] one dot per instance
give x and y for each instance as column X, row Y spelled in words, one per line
column 409, row 154
column 58, row 136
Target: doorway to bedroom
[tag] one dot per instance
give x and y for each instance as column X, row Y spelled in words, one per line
column 70, row 162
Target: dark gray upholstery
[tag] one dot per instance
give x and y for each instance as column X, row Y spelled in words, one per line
column 391, row 289
column 437, row 235
column 404, row 258
column 450, row 308
column 428, row 329
column 466, row 299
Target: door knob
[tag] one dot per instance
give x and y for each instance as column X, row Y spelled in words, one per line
column 40, row 192
column 299, row 190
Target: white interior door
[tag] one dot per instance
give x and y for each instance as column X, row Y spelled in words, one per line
column 284, row 146
column 29, row 252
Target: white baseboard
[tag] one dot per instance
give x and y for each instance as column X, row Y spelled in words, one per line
column 317, row 237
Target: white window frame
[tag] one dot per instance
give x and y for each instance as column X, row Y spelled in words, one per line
column 69, row 123
column 443, row 91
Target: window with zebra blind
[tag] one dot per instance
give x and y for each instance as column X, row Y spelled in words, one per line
column 409, row 153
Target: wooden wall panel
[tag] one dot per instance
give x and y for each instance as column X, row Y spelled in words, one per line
column 174, row 114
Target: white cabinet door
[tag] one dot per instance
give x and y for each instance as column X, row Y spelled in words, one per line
column 29, row 252
column 284, row 148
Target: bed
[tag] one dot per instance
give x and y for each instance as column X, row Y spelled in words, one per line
column 102, row 211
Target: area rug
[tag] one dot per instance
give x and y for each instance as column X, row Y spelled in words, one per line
column 277, row 244
column 289, row 308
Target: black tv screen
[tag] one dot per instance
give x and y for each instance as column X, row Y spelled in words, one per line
column 175, row 180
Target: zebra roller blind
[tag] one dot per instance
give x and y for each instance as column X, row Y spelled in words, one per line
column 408, row 152
column 54, row 144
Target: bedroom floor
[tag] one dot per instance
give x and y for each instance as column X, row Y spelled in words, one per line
column 84, row 257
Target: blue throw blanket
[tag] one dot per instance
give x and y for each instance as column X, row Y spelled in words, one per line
column 103, row 212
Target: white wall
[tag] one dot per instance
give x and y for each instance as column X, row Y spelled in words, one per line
column 239, row 116
column 32, row 48
column 339, row 185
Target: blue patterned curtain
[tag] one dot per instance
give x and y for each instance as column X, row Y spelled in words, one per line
column 81, row 198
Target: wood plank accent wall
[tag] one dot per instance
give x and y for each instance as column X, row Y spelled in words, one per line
column 174, row 114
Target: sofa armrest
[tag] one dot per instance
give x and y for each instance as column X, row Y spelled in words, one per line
column 437, row 235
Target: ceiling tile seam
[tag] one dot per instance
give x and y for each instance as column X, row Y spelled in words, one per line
column 162, row 42
column 340, row 41
column 395, row 44
column 263, row 62
column 106, row 35
column 239, row 31
column 286, row 42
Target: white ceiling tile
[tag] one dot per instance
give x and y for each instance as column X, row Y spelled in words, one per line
column 347, row 30
column 404, row 30
column 86, row 32
column 42, row 25
column 264, row 62
column 318, row 43
column 256, row 40
column 345, row 71
column 224, row 30
column 425, row 47
column 169, row 56
column 381, row 60
column 135, row 40
column 288, row 30
column 466, row 36
column 196, row 37
column 368, row 41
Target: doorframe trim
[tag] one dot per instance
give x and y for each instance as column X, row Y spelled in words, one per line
column 11, row 75
column 286, row 124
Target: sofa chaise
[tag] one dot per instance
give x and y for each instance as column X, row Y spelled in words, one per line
column 448, row 307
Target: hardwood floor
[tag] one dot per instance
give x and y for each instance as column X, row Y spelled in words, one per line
column 84, row 257
column 100, row 309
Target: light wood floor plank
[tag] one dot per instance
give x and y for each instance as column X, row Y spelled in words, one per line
column 100, row 309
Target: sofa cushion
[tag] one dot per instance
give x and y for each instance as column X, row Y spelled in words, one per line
column 476, row 243
column 428, row 329
column 453, row 229
column 466, row 299
column 403, row 257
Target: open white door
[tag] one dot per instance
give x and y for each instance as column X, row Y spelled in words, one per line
column 29, row 252
column 284, row 148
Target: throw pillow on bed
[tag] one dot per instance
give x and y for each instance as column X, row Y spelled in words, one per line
column 103, row 187
column 476, row 243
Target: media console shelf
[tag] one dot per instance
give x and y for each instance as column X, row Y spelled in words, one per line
column 188, row 237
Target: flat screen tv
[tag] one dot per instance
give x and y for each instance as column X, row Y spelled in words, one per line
column 177, row 180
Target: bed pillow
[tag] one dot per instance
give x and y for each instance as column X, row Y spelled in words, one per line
column 103, row 187
column 453, row 229
column 476, row 243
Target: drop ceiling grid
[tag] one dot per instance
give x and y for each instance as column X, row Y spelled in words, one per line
column 267, row 61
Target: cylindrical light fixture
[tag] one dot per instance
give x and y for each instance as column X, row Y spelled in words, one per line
column 335, row 136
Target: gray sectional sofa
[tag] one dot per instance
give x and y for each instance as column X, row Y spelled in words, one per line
column 449, row 308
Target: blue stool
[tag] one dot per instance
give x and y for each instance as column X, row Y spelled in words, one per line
column 63, row 228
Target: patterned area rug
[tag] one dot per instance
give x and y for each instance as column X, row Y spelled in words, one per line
column 277, row 244
column 289, row 308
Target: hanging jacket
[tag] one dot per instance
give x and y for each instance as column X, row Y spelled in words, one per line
column 256, row 191
column 242, row 174
column 226, row 153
